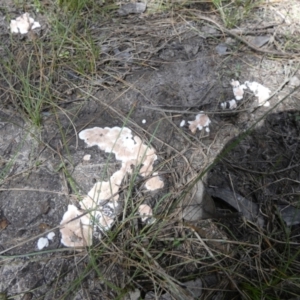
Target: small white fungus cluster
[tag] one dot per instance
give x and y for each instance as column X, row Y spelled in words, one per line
column 23, row 24
column 261, row 92
column 43, row 242
column 201, row 121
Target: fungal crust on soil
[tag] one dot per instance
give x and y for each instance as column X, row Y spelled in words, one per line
column 201, row 121
column 23, row 24
column 102, row 199
column 75, row 230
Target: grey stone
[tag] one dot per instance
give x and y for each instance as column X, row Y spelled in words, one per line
column 247, row 208
column 209, row 29
column 289, row 214
column 197, row 205
column 294, row 81
column 132, row 8
column 194, row 287
column 221, row 49
column 259, row 41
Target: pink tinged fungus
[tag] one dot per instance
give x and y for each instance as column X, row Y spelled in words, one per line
column 238, row 89
column 154, row 183
column 127, row 148
column 261, row 92
column 23, row 24
column 104, row 190
column 182, row 123
column 145, row 211
column 42, row 243
column 76, row 230
column 106, row 222
column 103, row 222
column 201, row 121
column 229, row 104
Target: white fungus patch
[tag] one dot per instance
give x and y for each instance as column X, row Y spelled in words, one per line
column 144, row 121
column 102, row 221
column 154, row 183
column 75, row 230
column 50, row 236
column 182, row 123
column 261, row 92
column 101, row 200
column 145, row 211
column 127, row 148
column 104, row 190
column 42, row 243
column 23, row 24
column 238, row 89
column 201, row 121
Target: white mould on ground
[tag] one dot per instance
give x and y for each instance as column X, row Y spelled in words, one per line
column 102, row 199
column 103, row 221
column 154, row 183
column 42, row 243
column 201, row 121
column 261, row 92
column 145, row 211
column 238, row 89
column 127, row 148
column 182, row 123
column 104, row 190
column 23, row 24
column 50, row 236
column 229, row 104
column 75, row 230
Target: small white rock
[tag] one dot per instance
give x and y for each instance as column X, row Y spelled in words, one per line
column 182, row 123
column 42, row 243
column 50, row 236
column 87, row 157
column 135, row 295
column 294, row 81
column 144, row 121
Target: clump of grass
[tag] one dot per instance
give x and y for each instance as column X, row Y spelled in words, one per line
column 233, row 12
column 74, row 5
column 34, row 69
column 291, row 42
column 28, row 90
column 73, row 45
